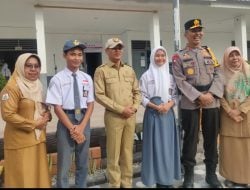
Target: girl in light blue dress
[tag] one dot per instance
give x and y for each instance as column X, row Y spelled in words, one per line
column 160, row 149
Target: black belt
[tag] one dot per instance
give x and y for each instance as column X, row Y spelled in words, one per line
column 73, row 111
column 203, row 88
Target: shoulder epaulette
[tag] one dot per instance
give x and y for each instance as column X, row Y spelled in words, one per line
column 127, row 65
column 102, row 65
column 216, row 63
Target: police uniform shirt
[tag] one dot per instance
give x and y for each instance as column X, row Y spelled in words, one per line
column 195, row 67
column 61, row 92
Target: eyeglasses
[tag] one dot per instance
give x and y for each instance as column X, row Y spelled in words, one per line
column 31, row 66
column 116, row 48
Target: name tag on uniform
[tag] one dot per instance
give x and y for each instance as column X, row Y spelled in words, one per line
column 85, row 88
column 208, row 61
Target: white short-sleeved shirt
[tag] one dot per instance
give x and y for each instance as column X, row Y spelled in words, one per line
column 61, row 90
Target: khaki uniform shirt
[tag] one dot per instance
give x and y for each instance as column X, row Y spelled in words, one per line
column 18, row 112
column 116, row 88
column 194, row 68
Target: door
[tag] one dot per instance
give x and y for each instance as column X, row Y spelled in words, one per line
column 140, row 61
column 93, row 60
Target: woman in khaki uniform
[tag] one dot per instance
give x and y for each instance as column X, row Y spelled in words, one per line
column 234, row 161
column 25, row 155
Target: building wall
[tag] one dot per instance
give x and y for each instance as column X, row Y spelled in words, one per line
column 17, row 32
column 54, row 42
column 54, row 46
column 217, row 41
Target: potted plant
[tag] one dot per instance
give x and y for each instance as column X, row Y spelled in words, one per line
column 3, row 81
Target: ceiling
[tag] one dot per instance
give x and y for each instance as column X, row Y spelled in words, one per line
column 118, row 16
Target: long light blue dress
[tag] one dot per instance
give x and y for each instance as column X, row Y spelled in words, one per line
column 160, row 148
column 161, row 144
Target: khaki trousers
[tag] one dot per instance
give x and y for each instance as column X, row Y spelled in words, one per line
column 120, row 139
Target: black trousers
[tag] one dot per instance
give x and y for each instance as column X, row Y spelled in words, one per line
column 210, row 121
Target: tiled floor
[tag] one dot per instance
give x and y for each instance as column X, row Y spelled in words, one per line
column 199, row 180
column 199, row 171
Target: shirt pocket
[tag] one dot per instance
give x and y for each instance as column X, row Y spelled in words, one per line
column 209, row 64
column 129, row 80
column 111, row 83
column 151, row 85
column 189, row 68
column 66, row 87
column 128, row 83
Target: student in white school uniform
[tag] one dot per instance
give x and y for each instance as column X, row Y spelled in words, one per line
column 73, row 136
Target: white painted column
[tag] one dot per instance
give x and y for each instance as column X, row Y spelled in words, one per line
column 40, row 37
column 240, row 34
column 177, row 33
column 41, row 50
column 155, row 31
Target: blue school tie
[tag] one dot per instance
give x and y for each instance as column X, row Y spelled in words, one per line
column 78, row 114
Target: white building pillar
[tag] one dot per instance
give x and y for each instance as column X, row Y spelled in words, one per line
column 40, row 37
column 240, row 34
column 177, row 32
column 41, row 50
column 155, row 31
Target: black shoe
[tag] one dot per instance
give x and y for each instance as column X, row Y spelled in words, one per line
column 159, row 185
column 163, row 186
column 213, row 181
column 188, row 183
column 169, row 186
column 188, row 178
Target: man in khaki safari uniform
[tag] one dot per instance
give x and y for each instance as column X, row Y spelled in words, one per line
column 199, row 78
column 116, row 88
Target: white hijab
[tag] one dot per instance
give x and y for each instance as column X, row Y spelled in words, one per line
column 161, row 75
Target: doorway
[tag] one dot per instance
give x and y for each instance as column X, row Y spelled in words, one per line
column 140, row 56
column 93, row 60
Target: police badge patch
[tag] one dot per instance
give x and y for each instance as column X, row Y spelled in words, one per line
column 190, row 71
column 5, row 96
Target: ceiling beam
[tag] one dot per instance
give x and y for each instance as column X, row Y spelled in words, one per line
column 96, row 9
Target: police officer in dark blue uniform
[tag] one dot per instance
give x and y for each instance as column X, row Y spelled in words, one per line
column 198, row 77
